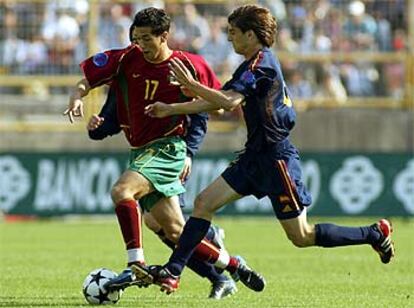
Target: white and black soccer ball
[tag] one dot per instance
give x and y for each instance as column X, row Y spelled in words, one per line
column 94, row 291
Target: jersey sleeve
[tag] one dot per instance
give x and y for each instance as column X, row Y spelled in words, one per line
column 204, row 73
column 207, row 76
column 110, row 126
column 102, row 67
column 196, row 131
column 252, row 82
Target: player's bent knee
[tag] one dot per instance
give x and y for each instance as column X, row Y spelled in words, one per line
column 115, row 194
column 120, row 192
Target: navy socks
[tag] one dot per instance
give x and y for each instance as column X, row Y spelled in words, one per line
column 330, row 235
column 201, row 268
column 194, row 231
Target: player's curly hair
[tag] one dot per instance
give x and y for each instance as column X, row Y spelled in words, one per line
column 157, row 19
column 255, row 18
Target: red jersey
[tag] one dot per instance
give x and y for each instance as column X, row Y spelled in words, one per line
column 140, row 83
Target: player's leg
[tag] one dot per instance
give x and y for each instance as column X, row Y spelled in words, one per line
column 153, row 171
column 298, row 230
column 215, row 234
column 222, row 286
column 191, row 240
column 131, row 185
column 378, row 235
column 168, row 214
column 290, row 207
column 152, row 224
column 212, row 198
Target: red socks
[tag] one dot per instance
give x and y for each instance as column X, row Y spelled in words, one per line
column 129, row 218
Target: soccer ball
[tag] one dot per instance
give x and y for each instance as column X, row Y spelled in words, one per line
column 94, row 291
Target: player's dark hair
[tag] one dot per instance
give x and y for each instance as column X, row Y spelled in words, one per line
column 255, row 18
column 156, row 19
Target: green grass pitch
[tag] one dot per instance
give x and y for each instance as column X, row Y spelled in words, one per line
column 43, row 264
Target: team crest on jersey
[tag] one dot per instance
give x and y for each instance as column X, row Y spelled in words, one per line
column 100, row 59
column 248, row 78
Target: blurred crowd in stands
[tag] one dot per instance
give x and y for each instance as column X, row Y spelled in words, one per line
column 52, row 37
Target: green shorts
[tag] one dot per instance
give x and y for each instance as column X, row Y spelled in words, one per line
column 161, row 163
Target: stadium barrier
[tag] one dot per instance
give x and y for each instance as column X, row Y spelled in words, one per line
column 347, row 184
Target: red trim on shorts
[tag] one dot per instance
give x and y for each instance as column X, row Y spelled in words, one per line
column 290, row 189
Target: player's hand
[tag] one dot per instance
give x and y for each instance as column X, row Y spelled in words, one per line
column 158, row 110
column 75, row 108
column 185, row 173
column 94, row 122
column 180, row 73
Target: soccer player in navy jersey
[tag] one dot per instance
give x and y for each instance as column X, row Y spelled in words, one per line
column 139, row 76
column 269, row 165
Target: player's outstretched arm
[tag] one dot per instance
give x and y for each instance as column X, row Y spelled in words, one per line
column 226, row 100
column 75, row 105
column 162, row 110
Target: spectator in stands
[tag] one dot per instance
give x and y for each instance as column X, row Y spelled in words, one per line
column 331, row 25
column 62, row 36
column 218, row 51
column 113, row 28
column 321, row 42
column 36, row 56
column 383, row 35
column 394, row 72
column 330, row 85
column 191, row 29
column 360, row 31
column 399, row 42
column 142, row 4
column 394, row 11
column 11, row 47
column 360, row 28
column 21, row 49
column 277, row 7
column 296, row 20
column 359, row 78
column 286, row 42
column 299, row 87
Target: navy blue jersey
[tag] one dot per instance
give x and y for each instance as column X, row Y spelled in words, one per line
column 267, row 108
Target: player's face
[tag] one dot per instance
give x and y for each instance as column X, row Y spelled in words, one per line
column 150, row 44
column 237, row 38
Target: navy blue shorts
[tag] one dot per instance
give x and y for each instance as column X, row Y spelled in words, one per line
column 274, row 173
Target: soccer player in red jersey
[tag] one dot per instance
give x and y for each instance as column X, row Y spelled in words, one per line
column 106, row 124
column 140, row 76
